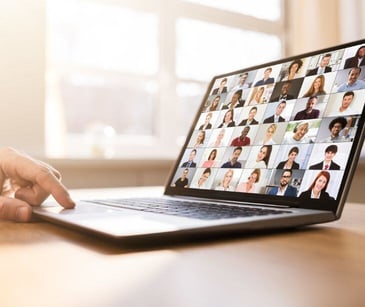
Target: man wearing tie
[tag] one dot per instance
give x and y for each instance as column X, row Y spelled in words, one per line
column 323, row 66
column 327, row 163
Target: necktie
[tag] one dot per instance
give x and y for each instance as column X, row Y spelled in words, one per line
column 326, row 167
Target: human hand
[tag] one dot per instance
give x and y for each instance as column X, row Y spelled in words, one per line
column 27, row 182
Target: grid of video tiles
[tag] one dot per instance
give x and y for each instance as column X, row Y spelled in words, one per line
column 285, row 129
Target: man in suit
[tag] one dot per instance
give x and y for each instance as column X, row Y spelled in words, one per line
column 323, row 66
column 357, row 60
column 250, row 120
column 190, row 162
column 284, row 92
column 327, row 163
column 277, row 118
column 284, row 189
column 222, row 87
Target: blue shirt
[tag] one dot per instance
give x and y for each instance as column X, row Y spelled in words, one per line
column 358, row 85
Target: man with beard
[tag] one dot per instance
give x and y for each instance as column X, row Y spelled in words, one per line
column 284, row 189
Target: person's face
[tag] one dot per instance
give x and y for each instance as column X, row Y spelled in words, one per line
column 301, row 132
column 362, row 52
column 354, row 75
column 294, row 68
column 235, row 97
column 204, row 177
column 262, row 154
column 280, row 108
column 208, row 118
column 260, row 92
column 220, row 135
column 200, row 137
column 267, row 73
column 336, row 129
column 216, row 101
column 292, row 156
column 236, row 155
column 346, row 101
column 252, row 178
column 212, row 155
column 285, row 88
column 325, row 61
column 285, row 179
column 223, row 83
column 270, row 132
column 245, row 132
column 317, row 83
column 328, row 155
column 243, row 79
column 228, row 117
column 184, row 174
column 192, row 156
column 228, row 177
column 320, row 183
column 311, row 103
column 252, row 114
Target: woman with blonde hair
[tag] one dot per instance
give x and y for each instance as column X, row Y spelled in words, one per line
column 317, row 87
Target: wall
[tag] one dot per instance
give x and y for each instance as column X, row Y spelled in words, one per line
column 22, row 65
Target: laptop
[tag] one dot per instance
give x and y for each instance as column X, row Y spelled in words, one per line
column 271, row 146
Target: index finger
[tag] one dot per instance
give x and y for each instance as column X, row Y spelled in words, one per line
column 50, row 183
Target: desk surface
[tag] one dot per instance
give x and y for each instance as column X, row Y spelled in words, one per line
column 46, row 265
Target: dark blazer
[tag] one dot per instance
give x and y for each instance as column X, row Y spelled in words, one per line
column 290, row 191
column 333, row 166
column 281, row 165
column 307, row 195
column 231, row 124
column 215, row 91
column 185, row 164
column 280, row 97
column 270, row 119
column 262, row 82
column 209, row 126
column 353, row 62
column 239, row 105
column 314, row 71
column 244, row 122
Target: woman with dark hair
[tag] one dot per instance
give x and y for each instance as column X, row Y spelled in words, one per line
column 262, row 158
column 317, row 190
column 290, row 163
column 214, row 105
column 357, row 60
column 211, row 159
column 293, row 69
column 228, row 119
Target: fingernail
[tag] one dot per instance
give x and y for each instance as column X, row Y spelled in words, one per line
column 23, row 214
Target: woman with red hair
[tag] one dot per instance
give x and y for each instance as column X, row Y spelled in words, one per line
column 317, row 190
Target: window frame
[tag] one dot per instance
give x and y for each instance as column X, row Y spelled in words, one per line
column 168, row 12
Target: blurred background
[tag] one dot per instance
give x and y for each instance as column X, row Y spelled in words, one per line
column 103, row 89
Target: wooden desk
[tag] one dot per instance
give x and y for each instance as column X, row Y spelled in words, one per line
column 46, row 265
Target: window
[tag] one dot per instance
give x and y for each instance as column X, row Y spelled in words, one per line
column 124, row 79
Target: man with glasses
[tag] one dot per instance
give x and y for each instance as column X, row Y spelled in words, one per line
column 284, row 189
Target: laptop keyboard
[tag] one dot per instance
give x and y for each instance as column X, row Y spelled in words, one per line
column 198, row 210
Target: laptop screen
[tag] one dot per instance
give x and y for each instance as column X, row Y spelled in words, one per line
column 284, row 132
